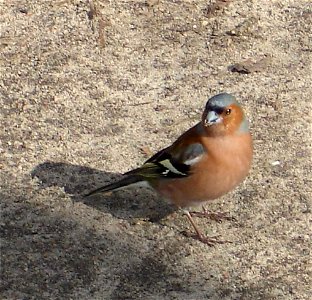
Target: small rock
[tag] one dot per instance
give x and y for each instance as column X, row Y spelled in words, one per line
column 250, row 66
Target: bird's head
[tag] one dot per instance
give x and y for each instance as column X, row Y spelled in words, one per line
column 223, row 115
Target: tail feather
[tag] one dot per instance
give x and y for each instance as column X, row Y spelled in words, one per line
column 116, row 185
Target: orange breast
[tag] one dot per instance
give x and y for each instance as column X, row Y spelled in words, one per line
column 226, row 164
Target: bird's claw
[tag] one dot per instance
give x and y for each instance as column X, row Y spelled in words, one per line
column 209, row 241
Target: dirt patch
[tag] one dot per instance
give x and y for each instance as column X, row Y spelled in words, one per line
column 86, row 85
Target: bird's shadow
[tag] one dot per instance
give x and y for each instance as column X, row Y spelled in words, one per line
column 78, row 180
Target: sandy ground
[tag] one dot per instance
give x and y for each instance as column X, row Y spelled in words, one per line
column 87, row 88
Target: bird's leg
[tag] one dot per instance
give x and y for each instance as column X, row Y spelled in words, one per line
column 215, row 216
column 210, row 241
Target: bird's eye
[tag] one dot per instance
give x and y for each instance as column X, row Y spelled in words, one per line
column 228, row 111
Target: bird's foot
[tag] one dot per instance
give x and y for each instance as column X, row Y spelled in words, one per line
column 215, row 216
column 208, row 240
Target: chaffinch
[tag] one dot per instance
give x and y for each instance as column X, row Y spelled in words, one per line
column 204, row 163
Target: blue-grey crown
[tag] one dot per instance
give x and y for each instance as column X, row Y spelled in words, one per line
column 221, row 100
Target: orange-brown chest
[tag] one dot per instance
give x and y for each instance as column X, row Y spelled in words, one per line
column 225, row 165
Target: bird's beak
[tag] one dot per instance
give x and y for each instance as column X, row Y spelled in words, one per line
column 212, row 118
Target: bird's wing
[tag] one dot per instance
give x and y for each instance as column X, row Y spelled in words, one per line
column 175, row 161
column 172, row 162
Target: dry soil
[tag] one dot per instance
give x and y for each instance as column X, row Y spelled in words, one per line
column 89, row 88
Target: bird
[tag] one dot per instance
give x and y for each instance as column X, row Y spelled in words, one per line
column 206, row 162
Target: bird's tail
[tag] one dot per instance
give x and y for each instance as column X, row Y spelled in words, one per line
column 131, row 179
